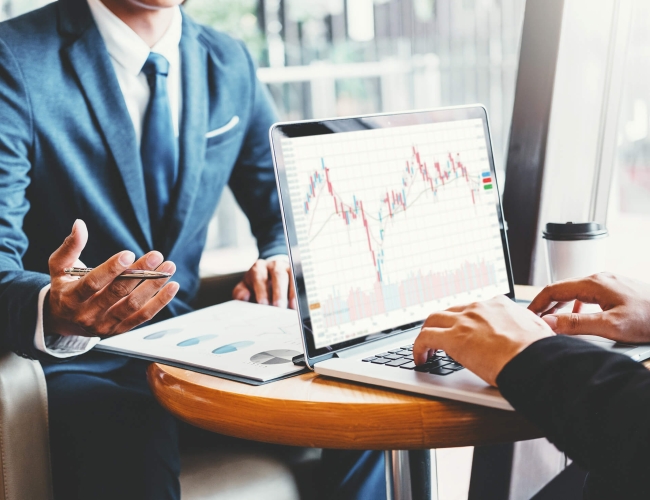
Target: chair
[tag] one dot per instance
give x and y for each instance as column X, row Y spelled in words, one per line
column 249, row 472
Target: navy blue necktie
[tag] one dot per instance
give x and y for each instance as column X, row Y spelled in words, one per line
column 158, row 148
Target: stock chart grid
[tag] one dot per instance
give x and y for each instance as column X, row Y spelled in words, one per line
column 393, row 224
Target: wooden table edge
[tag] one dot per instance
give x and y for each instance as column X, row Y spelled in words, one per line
column 380, row 419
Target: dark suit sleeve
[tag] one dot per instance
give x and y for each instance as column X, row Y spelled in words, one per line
column 19, row 289
column 253, row 178
column 592, row 404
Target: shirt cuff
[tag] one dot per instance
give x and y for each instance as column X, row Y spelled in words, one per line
column 280, row 256
column 58, row 345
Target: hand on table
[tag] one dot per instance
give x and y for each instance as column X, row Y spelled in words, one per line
column 97, row 304
column 625, row 304
column 268, row 282
column 483, row 336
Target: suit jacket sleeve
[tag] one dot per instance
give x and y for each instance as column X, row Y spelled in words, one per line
column 592, row 404
column 253, row 178
column 19, row 289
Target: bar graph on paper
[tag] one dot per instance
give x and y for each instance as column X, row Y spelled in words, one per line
column 393, row 224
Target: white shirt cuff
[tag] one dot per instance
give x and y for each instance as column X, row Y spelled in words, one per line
column 58, row 345
column 280, row 256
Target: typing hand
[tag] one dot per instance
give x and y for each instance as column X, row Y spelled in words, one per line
column 97, row 304
column 268, row 282
column 482, row 337
column 625, row 304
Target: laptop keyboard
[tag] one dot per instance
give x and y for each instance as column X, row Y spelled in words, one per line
column 438, row 364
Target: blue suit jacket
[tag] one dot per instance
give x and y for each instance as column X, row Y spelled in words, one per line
column 68, row 151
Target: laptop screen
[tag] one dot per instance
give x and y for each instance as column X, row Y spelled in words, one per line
column 392, row 218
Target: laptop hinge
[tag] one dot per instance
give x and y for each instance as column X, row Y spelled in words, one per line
column 299, row 360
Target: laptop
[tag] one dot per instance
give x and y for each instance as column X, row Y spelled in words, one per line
column 389, row 218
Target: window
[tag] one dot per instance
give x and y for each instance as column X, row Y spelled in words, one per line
column 341, row 57
column 628, row 217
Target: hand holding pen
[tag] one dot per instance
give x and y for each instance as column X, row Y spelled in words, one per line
column 103, row 302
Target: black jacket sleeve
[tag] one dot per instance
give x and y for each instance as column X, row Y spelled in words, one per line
column 592, row 404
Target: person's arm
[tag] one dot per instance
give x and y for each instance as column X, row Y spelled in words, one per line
column 592, row 404
column 92, row 306
column 19, row 289
column 253, row 178
column 625, row 305
column 56, row 345
column 253, row 183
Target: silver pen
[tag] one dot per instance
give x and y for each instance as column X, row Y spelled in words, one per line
column 134, row 274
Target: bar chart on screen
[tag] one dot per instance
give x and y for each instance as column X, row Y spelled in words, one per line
column 392, row 223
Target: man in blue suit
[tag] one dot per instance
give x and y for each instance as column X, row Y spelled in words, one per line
column 128, row 115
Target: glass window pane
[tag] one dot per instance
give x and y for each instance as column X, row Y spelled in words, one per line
column 333, row 57
column 629, row 207
column 402, row 54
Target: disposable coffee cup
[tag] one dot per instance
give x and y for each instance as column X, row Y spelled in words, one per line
column 575, row 250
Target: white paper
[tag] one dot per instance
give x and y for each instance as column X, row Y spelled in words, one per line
column 239, row 338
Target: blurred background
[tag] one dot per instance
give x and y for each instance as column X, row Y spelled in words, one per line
column 326, row 58
column 628, row 216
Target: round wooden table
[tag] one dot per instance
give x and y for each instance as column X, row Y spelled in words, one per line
column 315, row 411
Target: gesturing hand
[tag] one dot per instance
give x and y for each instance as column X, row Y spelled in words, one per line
column 483, row 336
column 268, row 282
column 625, row 304
column 98, row 304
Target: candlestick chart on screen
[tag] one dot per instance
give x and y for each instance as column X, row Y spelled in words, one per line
column 384, row 233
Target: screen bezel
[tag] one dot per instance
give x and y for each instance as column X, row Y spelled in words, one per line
column 341, row 125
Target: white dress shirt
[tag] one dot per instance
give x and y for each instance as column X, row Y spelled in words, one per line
column 128, row 54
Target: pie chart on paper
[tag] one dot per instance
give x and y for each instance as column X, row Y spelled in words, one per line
column 275, row 357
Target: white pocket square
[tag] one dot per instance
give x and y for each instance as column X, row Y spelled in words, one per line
column 222, row 130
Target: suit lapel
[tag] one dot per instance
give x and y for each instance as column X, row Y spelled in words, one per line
column 194, row 125
column 91, row 62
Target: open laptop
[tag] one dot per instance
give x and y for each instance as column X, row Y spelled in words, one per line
column 389, row 218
